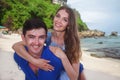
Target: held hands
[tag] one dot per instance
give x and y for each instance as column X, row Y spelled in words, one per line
column 43, row 64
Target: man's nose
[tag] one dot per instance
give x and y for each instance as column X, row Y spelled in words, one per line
column 36, row 41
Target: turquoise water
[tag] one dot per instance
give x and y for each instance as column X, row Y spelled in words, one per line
column 110, row 46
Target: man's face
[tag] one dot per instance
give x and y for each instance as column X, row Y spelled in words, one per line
column 34, row 40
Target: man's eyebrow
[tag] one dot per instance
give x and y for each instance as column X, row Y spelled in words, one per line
column 30, row 35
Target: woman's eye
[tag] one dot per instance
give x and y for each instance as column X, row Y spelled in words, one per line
column 57, row 15
column 66, row 20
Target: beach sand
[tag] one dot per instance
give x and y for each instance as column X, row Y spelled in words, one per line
column 94, row 68
column 8, row 68
column 100, row 68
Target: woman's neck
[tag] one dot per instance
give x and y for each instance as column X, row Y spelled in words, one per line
column 58, row 37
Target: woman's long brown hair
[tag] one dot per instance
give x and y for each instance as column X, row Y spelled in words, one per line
column 71, row 39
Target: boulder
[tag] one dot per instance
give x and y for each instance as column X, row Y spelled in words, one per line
column 91, row 33
column 114, row 33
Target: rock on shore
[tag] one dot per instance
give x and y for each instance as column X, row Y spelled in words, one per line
column 91, row 33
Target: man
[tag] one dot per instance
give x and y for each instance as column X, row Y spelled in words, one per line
column 34, row 36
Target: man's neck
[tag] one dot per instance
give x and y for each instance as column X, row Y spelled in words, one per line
column 35, row 55
column 33, row 67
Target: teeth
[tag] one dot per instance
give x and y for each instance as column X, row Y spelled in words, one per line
column 36, row 46
column 58, row 25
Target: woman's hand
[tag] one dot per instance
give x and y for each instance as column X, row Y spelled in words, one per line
column 43, row 64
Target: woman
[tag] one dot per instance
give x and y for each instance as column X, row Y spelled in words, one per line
column 65, row 37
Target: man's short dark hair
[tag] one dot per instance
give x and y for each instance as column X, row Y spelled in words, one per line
column 34, row 23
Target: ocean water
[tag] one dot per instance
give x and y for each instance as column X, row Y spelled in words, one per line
column 108, row 46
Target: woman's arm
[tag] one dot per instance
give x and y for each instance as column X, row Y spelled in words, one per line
column 71, row 70
column 41, row 63
column 82, row 76
column 21, row 51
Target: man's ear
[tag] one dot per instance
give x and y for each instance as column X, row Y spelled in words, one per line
column 23, row 37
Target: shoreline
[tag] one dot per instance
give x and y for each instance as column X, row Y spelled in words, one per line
column 104, row 47
column 94, row 68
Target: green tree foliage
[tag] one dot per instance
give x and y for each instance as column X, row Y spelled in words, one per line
column 13, row 13
column 81, row 25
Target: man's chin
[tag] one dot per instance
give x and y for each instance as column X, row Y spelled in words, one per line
column 37, row 54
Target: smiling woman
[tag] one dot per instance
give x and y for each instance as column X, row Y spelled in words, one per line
column 65, row 42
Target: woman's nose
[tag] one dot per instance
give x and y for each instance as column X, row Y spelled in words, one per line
column 59, row 20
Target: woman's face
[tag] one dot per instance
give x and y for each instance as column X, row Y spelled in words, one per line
column 60, row 21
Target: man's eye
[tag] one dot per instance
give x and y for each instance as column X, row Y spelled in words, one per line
column 31, row 36
column 42, row 37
